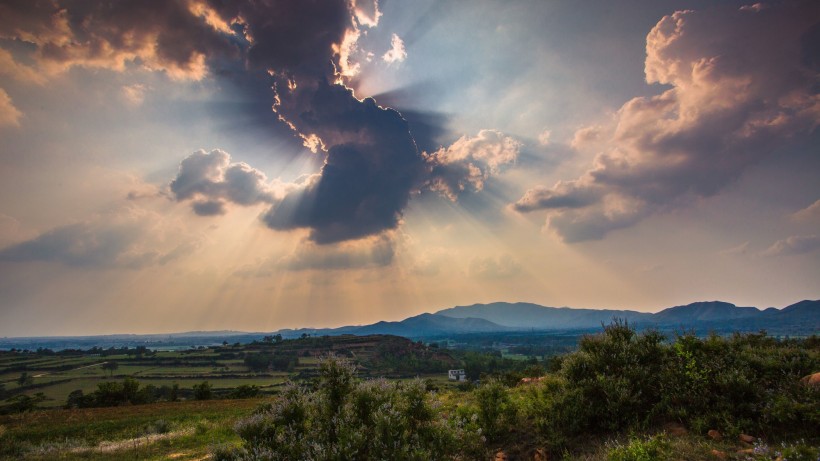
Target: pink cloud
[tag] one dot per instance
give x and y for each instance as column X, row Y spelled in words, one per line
column 740, row 88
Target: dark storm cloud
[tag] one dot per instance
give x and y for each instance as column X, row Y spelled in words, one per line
column 372, row 162
column 372, row 166
column 290, row 36
column 292, row 52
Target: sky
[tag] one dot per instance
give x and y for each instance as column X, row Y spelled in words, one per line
column 184, row 165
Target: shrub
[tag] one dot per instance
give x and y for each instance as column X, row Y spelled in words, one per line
column 345, row 418
column 244, row 391
column 496, row 414
column 202, row 391
column 613, row 378
column 655, row 448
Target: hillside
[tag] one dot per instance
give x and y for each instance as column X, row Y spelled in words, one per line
column 703, row 312
column 799, row 318
column 532, row 316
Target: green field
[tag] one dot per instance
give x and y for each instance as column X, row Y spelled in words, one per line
column 178, row 430
column 223, row 367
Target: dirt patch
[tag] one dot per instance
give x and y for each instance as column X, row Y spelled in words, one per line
column 118, row 445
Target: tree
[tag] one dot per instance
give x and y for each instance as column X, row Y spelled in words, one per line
column 202, row 391
column 111, row 366
column 22, row 402
column 25, row 380
column 76, row 399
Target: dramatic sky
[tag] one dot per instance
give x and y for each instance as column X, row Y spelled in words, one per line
column 174, row 165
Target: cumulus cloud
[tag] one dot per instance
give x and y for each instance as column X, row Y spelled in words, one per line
column 585, row 136
column 742, row 84
column 467, row 163
column 163, row 36
column 372, row 163
column 396, row 53
column 796, row 244
column 372, row 166
column 367, row 12
column 9, row 115
column 303, row 51
column 121, row 240
column 211, row 179
column 17, row 71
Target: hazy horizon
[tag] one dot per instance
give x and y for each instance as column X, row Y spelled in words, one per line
column 195, row 166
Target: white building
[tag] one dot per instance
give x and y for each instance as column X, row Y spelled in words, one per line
column 457, row 375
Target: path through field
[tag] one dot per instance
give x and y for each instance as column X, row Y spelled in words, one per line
column 73, row 369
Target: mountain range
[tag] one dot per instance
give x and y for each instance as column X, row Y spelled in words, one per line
column 802, row 318
column 799, row 318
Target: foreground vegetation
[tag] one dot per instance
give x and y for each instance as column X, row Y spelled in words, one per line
column 621, row 396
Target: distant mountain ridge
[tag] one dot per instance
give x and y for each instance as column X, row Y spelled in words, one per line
column 801, row 318
column 704, row 312
column 529, row 316
column 716, row 315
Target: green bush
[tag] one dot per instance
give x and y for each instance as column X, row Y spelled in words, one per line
column 621, row 380
column 345, row 418
column 613, row 378
column 202, row 391
column 655, row 448
column 496, row 414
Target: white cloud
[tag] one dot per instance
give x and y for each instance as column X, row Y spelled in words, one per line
column 396, row 53
column 585, row 136
column 470, row 161
column 367, row 12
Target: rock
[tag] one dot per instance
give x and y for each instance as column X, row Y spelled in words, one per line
column 714, row 434
column 811, row 380
column 719, row 454
column 745, row 438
